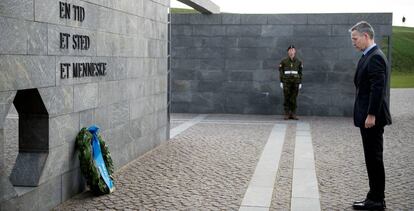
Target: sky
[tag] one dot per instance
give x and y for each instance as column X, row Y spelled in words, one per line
column 399, row 8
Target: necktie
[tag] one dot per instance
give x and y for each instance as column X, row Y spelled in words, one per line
column 360, row 60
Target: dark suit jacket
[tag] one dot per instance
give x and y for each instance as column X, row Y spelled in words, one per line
column 371, row 82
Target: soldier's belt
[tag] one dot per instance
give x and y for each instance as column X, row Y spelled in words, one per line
column 291, row 72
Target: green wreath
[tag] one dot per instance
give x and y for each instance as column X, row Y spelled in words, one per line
column 88, row 169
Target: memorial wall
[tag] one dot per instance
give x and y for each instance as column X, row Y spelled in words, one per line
column 228, row 63
column 69, row 64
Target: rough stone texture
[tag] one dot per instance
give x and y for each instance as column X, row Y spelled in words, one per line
column 6, row 101
column 28, row 168
column 288, row 19
column 58, row 100
column 72, row 183
column 37, row 41
column 13, row 33
column 6, row 154
column 54, row 41
column 11, row 143
column 228, row 63
column 62, row 129
column 129, row 103
column 20, row 9
column 85, row 96
column 24, row 72
column 49, row 15
column 45, row 196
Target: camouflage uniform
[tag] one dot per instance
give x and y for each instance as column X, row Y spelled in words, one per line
column 291, row 77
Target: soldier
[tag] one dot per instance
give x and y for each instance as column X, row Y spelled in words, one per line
column 290, row 70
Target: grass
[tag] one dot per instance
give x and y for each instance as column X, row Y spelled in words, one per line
column 401, row 80
column 403, row 49
column 402, row 75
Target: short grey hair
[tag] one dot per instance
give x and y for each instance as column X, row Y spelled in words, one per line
column 363, row 27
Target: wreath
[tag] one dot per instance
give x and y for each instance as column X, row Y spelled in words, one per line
column 88, row 168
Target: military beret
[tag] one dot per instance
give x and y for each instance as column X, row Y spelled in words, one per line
column 290, row 46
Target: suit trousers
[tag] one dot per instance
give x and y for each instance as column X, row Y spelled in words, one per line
column 372, row 140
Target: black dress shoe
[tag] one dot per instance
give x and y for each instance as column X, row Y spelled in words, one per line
column 359, row 202
column 368, row 204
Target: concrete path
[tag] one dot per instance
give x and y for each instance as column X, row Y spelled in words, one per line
column 305, row 193
column 184, row 126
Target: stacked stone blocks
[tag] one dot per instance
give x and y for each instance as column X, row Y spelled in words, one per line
column 129, row 103
column 228, row 63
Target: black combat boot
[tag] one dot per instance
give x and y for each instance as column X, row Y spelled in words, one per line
column 287, row 116
column 294, row 117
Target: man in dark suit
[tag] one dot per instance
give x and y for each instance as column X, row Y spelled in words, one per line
column 371, row 111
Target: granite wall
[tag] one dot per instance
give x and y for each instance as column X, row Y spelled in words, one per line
column 68, row 64
column 228, row 63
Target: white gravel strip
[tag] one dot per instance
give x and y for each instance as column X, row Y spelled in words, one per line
column 184, row 126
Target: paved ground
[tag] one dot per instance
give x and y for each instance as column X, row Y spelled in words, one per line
column 340, row 164
column 208, row 166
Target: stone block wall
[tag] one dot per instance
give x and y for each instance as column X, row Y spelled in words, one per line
column 228, row 63
column 128, row 102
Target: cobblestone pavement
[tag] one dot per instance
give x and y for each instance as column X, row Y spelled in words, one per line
column 340, row 163
column 208, row 166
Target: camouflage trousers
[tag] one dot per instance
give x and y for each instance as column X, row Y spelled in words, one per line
column 290, row 92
